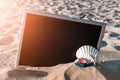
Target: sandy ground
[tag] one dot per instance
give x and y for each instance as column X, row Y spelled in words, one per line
column 108, row 70
column 107, row 11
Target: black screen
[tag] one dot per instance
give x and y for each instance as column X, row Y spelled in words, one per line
column 48, row 41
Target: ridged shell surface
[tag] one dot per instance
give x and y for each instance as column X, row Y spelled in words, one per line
column 87, row 52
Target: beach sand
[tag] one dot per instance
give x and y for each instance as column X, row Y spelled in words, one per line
column 106, row 70
column 107, row 11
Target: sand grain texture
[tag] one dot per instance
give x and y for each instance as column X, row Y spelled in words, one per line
column 69, row 71
column 107, row 11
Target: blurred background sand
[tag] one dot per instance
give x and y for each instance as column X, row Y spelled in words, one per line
column 11, row 13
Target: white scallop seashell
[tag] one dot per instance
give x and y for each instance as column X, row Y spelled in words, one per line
column 87, row 52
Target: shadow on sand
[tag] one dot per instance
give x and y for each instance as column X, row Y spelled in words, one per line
column 110, row 69
column 17, row 73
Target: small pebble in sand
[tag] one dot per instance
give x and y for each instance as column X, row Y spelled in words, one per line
column 117, row 26
column 113, row 34
column 104, row 44
column 117, row 47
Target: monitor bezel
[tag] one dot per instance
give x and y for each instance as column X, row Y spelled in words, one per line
column 59, row 17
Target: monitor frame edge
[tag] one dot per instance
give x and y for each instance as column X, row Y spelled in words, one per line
column 54, row 16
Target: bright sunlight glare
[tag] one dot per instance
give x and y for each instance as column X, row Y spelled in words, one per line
column 2, row 4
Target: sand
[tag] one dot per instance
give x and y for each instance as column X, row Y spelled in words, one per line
column 107, row 70
column 107, row 11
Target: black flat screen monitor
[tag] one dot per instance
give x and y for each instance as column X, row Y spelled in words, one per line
column 48, row 39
